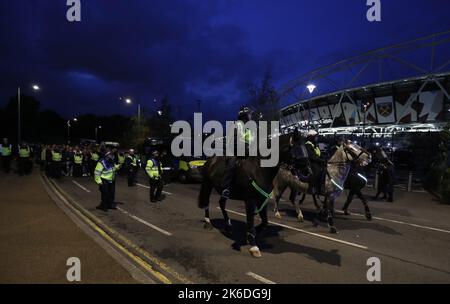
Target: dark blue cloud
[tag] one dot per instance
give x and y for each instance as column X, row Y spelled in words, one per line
column 190, row 50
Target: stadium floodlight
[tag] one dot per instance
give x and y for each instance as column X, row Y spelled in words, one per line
column 311, row 88
column 36, row 87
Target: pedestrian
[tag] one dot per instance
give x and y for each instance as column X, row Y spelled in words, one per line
column 105, row 174
column 131, row 167
column 6, row 151
column 154, row 172
column 94, row 158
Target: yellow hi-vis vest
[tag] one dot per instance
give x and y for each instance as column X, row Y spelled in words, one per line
column 24, row 152
column 105, row 172
column 244, row 135
column 78, row 159
column 95, row 156
column 56, row 156
column 121, row 159
column 152, row 169
column 6, row 150
column 316, row 149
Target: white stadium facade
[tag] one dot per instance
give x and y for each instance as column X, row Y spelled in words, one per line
column 395, row 89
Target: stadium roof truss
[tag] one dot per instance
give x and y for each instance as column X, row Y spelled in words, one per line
column 403, row 85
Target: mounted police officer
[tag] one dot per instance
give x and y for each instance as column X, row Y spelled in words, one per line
column 6, row 151
column 105, row 177
column 154, row 172
column 244, row 136
column 315, row 160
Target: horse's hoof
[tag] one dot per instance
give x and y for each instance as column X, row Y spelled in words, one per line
column 333, row 230
column 368, row 216
column 346, row 212
column 208, row 226
column 278, row 215
column 254, row 251
column 300, row 218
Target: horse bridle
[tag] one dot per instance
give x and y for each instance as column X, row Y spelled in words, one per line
column 353, row 154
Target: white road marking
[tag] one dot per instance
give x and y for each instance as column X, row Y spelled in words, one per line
column 259, row 278
column 88, row 191
column 399, row 222
column 309, row 233
column 144, row 222
column 144, row 186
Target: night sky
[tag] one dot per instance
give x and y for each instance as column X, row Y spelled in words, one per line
column 189, row 49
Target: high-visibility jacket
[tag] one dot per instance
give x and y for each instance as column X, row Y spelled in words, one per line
column 6, row 150
column 95, row 156
column 316, row 149
column 132, row 160
column 121, row 159
column 56, row 156
column 24, row 152
column 244, row 135
column 105, row 171
column 78, row 158
column 153, row 169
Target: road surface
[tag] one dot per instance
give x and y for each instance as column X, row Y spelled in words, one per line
column 410, row 237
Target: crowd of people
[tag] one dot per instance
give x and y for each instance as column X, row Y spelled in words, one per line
column 101, row 163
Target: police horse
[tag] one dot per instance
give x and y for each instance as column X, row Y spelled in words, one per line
column 332, row 181
column 252, row 184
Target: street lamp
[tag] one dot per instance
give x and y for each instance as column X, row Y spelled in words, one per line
column 129, row 101
column 96, row 132
column 35, row 87
column 68, row 128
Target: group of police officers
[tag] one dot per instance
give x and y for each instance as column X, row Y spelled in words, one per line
column 102, row 163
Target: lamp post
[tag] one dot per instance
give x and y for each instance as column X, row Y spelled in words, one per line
column 96, row 132
column 35, row 87
column 129, row 101
column 68, row 128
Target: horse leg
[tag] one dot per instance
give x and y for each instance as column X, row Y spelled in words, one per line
column 203, row 202
column 264, row 221
column 330, row 220
column 228, row 226
column 366, row 206
column 277, row 201
column 348, row 202
column 318, row 208
column 251, row 231
column 300, row 216
column 207, row 224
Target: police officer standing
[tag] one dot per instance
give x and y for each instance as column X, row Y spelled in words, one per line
column 24, row 163
column 56, row 163
column 131, row 165
column 6, row 151
column 154, row 172
column 78, row 163
column 105, row 176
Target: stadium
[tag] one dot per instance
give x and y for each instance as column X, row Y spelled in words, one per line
column 402, row 88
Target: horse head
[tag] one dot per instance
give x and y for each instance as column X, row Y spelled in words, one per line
column 357, row 154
